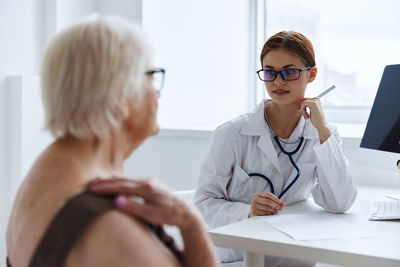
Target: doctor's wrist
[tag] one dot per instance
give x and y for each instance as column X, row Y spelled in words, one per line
column 324, row 133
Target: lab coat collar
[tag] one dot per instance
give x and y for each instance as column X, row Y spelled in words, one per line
column 304, row 128
column 256, row 125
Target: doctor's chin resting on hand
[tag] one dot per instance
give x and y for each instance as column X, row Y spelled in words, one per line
column 279, row 154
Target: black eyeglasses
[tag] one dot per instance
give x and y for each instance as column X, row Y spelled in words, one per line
column 287, row 74
column 158, row 75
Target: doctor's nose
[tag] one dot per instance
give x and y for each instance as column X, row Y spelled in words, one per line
column 279, row 80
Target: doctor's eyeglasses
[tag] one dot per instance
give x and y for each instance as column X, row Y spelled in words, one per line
column 286, row 75
column 158, row 76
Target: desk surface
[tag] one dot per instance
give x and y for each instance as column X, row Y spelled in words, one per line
column 383, row 249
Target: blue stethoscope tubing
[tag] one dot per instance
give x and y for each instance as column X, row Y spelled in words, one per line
column 289, row 154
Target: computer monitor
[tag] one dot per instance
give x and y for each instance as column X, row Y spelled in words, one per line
column 380, row 145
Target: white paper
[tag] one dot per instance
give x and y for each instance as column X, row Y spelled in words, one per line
column 315, row 226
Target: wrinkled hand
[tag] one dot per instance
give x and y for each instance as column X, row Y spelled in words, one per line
column 316, row 116
column 146, row 199
column 265, row 203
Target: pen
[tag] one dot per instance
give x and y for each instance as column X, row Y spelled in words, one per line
column 326, row 91
column 323, row 93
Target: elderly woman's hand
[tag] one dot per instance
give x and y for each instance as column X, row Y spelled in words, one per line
column 147, row 199
column 151, row 201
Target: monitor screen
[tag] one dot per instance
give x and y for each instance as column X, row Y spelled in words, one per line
column 383, row 127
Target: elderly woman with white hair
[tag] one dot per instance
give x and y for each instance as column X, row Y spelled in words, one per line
column 100, row 105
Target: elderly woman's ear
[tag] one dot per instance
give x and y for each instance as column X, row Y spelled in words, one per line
column 122, row 110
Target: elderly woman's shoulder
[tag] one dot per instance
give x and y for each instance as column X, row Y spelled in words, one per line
column 116, row 238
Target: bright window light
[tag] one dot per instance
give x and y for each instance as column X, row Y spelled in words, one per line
column 210, row 55
column 203, row 45
column 353, row 41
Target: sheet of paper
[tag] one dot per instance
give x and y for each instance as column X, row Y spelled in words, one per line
column 315, row 226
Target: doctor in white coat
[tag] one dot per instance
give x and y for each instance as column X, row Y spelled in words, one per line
column 226, row 193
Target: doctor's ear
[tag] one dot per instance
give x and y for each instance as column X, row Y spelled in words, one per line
column 313, row 74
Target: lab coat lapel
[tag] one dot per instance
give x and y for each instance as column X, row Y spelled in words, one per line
column 310, row 132
column 256, row 126
column 267, row 147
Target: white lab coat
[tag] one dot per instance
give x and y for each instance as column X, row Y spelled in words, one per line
column 245, row 145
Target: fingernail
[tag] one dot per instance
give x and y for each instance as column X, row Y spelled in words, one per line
column 120, row 201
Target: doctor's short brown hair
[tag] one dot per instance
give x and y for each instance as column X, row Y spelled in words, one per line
column 292, row 41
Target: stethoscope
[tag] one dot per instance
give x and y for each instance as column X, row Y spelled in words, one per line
column 289, row 154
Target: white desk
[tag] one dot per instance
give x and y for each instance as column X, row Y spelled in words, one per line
column 256, row 238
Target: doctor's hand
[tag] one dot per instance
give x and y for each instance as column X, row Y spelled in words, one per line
column 265, row 203
column 147, row 199
column 316, row 116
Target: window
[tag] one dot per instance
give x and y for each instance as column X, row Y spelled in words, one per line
column 353, row 41
column 211, row 51
column 204, row 46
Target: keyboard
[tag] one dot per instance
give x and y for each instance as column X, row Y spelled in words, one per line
column 384, row 210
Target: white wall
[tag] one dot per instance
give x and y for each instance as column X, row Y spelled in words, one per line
column 173, row 156
column 205, row 47
column 365, row 169
column 19, row 29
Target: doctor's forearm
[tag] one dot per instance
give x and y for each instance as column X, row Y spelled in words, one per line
column 335, row 190
column 324, row 133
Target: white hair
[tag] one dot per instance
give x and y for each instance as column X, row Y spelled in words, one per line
column 88, row 71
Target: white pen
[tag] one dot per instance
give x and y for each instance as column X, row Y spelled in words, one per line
column 326, row 91
column 323, row 93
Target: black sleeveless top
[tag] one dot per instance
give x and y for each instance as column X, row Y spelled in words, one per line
column 72, row 221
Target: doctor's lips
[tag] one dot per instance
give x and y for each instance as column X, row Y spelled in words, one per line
column 280, row 92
